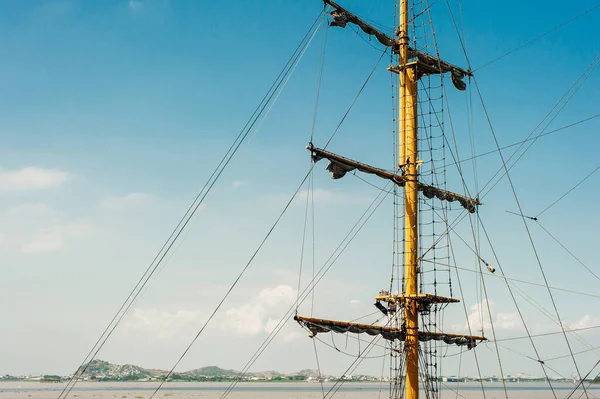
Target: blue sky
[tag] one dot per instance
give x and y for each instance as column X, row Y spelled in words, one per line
column 113, row 114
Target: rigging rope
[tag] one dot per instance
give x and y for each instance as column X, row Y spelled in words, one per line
column 582, row 380
column 520, row 313
column 198, row 200
column 575, row 87
column 319, row 369
column 489, row 309
column 308, row 192
column 315, row 280
column 355, row 98
column 310, row 286
column 466, row 315
column 502, row 277
column 549, row 315
column 542, row 362
column 506, row 173
column 456, row 267
column 333, row 346
column 319, row 78
column 547, row 334
column 310, row 197
column 576, row 353
column 569, row 252
column 543, row 273
column 448, row 227
column 260, row 245
column 557, row 27
column 264, row 240
column 338, row 384
column 568, row 192
column 546, row 285
column 451, row 228
column 524, row 294
column 312, row 213
column 526, row 140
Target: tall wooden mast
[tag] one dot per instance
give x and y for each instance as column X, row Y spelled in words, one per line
column 413, row 65
column 408, row 161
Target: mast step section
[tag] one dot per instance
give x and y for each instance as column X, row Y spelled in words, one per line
column 426, row 64
column 420, row 298
column 339, row 166
column 316, row 326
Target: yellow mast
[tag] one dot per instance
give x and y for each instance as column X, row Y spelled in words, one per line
column 413, row 64
column 409, row 160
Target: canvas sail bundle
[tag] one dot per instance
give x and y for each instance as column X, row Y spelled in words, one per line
column 316, row 326
column 339, row 166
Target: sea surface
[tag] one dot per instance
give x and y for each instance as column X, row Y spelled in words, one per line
column 280, row 390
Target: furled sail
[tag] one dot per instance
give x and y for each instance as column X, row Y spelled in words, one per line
column 316, row 326
column 342, row 16
column 339, row 166
column 426, row 64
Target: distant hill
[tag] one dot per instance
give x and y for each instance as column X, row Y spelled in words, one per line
column 212, row 371
column 102, row 370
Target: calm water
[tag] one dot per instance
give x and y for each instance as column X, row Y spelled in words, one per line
column 126, row 390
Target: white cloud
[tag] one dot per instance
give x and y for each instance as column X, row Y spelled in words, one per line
column 325, row 197
column 134, row 4
column 260, row 313
column 37, row 228
column 52, row 238
column 44, row 241
column 275, row 296
column 271, row 325
column 126, row 202
column 292, row 336
column 585, row 322
column 508, row 321
column 354, row 301
column 479, row 320
column 245, row 320
column 31, row 178
column 35, row 210
column 161, row 324
column 239, row 183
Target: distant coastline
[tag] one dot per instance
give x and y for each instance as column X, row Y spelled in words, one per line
column 103, row 371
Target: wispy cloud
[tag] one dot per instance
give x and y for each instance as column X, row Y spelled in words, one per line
column 31, row 210
column 239, row 183
column 53, row 238
column 36, row 227
column 259, row 314
column 323, row 197
column 134, row 4
column 31, row 178
column 585, row 322
column 161, row 324
column 478, row 319
column 47, row 239
column 126, row 202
